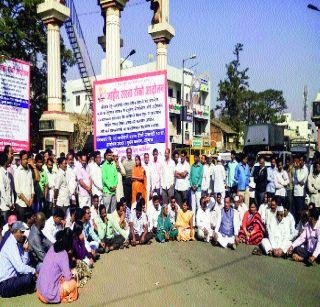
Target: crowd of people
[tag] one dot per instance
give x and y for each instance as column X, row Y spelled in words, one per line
column 58, row 215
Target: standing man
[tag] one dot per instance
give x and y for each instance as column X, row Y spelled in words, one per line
column 147, row 168
column 231, row 182
column 85, row 181
column 281, row 180
column 196, row 175
column 156, row 173
column 109, row 182
column 8, row 150
column 182, row 173
column 61, row 192
column 51, row 175
column 71, row 179
column 167, row 177
column 219, row 178
column 211, row 168
column 96, row 175
column 300, row 176
column 23, row 183
column 260, row 176
column 271, row 189
column 41, row 186
column 205, row 176
column 5, row 188
column 242, row 178
column 128, row 165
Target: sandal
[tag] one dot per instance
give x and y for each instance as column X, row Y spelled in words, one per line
column 257, row 251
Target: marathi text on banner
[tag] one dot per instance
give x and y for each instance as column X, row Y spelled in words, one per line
column 14, row 104
column 132, row 112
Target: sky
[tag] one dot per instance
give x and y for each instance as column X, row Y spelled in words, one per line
column 281, row 41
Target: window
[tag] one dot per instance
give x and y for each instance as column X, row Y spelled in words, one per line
column 78, row 100
column 170, row 92
column 178, row 96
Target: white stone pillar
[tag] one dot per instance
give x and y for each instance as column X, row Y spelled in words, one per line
column 54, row 68
column 112, row 10
column 162, row 55
column 53, row 14
column 113, row 55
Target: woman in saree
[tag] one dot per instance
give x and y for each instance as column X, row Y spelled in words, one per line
column 166, row 230
column 139, row 180
column 252, row 228
column 184, row 224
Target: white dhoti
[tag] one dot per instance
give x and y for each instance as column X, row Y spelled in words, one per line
column 267, row 246
column 201, row 236
column 224, row 240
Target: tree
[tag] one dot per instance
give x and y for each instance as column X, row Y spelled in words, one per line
column 241, row 106
column 23, row 36
column 232, row 92
column 263, row 107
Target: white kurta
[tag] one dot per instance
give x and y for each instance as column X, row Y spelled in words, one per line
column 314, row 188
column 121, row 173
column 219, row 179
column 96, row 176
column 278, row 236
column 203, row 222
column 281, row 180
column 205, row 178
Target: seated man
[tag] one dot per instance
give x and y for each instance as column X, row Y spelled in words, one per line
column 117, row 229
column 173, row 209
column 70, row 216
column 54, row 224
column 38, row 243
column 6, row 231
column 227, row 227
column 204, row 231
column 264, row 206
column 242, row 208
column 306, row 247
column 219, row 200
column 139, row 227
column 278, row 240
column 91, row 236
column 288, row 217
column 16, row 276
column 271, row 212
column 153, row 212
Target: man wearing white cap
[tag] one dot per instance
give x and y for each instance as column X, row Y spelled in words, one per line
column 219, row 178
column 278, row 241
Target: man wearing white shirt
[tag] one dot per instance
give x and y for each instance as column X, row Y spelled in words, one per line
column 155, row 173
column 96, row 175
column 51, row 175
column 243, row 208
column 278, row 241
column 219, row 178
column 271, row 212
column 203, row 221
column 61, row 192
column 54, row 224
column 300, row 176
column 211, row 167
column 147, row 168
column 181, row 174
column 153, row 212
column 238, row 209
column 173, row 210
column 5, row 188
column 271, row 171
column 281, row 180
column 23, row 183
column 71, row 178
column 206, row 176
column 167, row 177
column 139, row 227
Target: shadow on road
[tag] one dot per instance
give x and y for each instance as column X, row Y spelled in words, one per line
column 176, row 282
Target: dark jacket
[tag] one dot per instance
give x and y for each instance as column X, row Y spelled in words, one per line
column 260, row 179
column 38, row 245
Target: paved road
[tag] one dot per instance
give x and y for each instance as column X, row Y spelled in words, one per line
column 194, row 274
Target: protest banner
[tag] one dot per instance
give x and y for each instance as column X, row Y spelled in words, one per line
column 15, row 105
column 131, row 112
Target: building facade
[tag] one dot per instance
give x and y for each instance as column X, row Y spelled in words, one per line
column 223, row 138
column 197, row 101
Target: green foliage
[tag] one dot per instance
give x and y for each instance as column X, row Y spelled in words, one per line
column 239, row 106
column 23, row 36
